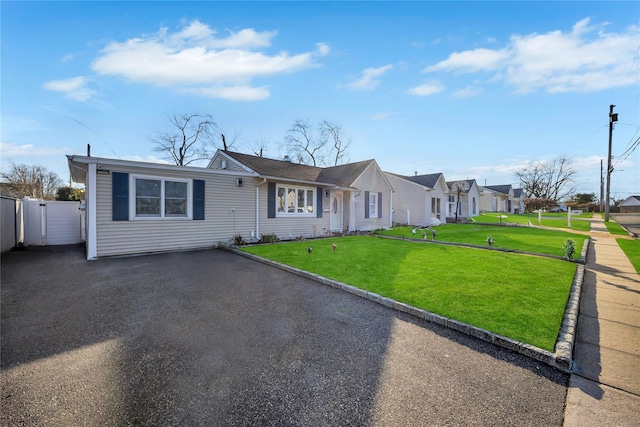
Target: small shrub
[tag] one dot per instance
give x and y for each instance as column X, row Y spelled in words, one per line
column 490, row 241
column 269, row 238
column 569, row 249
column 238, row 240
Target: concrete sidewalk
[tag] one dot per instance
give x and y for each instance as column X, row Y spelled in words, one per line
column 604, row 388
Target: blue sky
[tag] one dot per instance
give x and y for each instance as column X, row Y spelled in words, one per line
column 470, row 89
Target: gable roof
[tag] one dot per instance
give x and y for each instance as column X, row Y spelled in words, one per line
column 340, row 176
column 517, row 192
column 499, row 188
column 429, row 180
column 470, row 182
column 631, row 201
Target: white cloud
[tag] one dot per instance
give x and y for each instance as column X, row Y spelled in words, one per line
column 74, row 88
column 369, row 79
column 14, row 150
column 195, row 59
column 471, row 61
column 233, row 93
column 426, row 89
column 467, row 92
column 584, row 59
column 323, row 49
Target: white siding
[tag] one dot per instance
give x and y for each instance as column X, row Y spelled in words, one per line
column 440, row 191
column 219, row 160
column 291, row 226
column 372, row 180
column 410, row 197
column 141, row 236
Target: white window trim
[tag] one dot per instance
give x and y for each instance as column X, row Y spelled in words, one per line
column 297, row 214
column 373, row 207
column 163, row 179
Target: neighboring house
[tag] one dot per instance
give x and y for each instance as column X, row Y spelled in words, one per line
column 138, row 207
column 299, row 200
column 518, row 201
column 496, row 198
column 469, row 198
column 630, row 205
column 417, row 199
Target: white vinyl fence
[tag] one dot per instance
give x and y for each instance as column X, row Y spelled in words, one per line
column 10, row 222
column 50, row 222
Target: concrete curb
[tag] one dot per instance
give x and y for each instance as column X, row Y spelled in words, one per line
column 562, row 359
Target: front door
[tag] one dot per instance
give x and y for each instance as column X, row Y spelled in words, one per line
column 336, row 211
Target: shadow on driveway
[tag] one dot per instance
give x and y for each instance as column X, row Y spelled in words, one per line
column 212, row 338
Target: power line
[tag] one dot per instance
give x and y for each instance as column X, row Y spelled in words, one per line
column 98, row 136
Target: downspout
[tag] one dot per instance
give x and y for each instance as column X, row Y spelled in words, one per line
column 92, row 233
column 258, row 207
column 391, row 209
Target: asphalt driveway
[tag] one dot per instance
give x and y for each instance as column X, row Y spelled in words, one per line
column 212, row 338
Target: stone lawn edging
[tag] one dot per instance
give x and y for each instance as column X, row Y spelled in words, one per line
column 561, row 359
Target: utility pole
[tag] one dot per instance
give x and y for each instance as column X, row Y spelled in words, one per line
column 601, row 186
column 612, row 118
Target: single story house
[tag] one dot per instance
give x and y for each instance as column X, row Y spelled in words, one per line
column 138, row 207
column 496, row 198
column 630, row 205
column 469, row 198
column 518, row 200
column 417, row 199
column 293, row 199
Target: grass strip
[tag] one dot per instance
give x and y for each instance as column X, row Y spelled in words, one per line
column 615, row 228
column 518, row 296
column 631, row 249
column 526, row 239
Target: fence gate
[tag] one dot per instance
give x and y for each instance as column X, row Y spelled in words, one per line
column 49, row 222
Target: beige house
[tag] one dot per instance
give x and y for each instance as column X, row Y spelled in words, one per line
column 300, row 200
column 630, row 205
column 497, row 198
column 418, row 199
column 139, row 207
column 469, row 204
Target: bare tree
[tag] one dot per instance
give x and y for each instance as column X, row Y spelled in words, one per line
column 549, row 179
column 32, row 181
column 321, row 146
column 190, row 140
column 259, row 146
column 302, row 141
column 333, row 132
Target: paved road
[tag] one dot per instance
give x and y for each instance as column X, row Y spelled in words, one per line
column 211, row 338
column 630, row 221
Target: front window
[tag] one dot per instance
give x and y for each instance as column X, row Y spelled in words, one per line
column 373, row 205
column 160, row 198
column 295, row 201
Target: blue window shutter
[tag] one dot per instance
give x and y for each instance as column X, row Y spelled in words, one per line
column 379, row 205
column 271, row 200
column 366, row 204
column 120, row 196
column 319, row 202
column 198, row 199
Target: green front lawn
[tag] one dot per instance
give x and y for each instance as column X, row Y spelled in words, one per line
column 615, row 228
column 549, row 219
column 631, row 248
column 519, row 296
column 526, row 239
